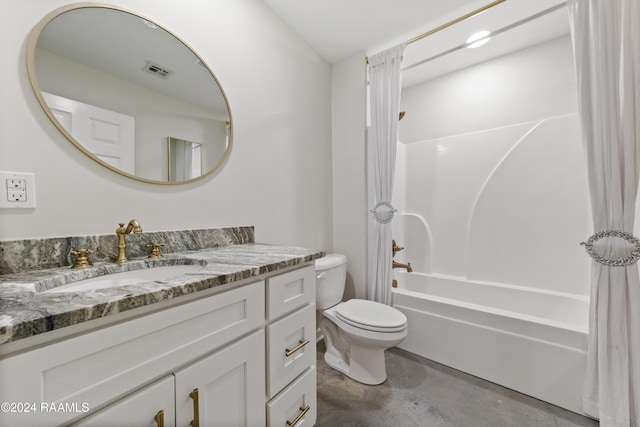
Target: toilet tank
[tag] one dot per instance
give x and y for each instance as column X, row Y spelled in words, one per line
column 331, row 275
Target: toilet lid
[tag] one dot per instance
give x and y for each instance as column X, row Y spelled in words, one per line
column 330, row 261
column 371, row 315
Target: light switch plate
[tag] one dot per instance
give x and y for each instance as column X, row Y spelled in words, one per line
column 17, row 190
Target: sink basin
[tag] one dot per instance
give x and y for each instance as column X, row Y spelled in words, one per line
column 129, row 278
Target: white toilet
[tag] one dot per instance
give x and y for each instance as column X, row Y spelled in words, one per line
column 356, row 332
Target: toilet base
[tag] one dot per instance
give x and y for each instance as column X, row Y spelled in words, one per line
column 365, row 365
column 357, row 353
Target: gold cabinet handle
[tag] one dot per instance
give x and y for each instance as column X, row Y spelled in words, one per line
column 301, row 344
column 299, row 417
column 196, row 411
column 159, row 418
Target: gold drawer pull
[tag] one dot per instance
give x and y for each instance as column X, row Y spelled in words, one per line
column 196, row 411
column 159, row 418
column 300, row 415
column 301, row 344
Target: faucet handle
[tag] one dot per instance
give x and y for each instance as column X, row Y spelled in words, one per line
column 155, row 249
column 395, row 248
column 82, row 259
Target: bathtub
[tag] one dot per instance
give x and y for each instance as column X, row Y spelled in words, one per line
column 528, row 340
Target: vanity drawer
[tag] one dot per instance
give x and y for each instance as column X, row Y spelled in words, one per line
column 289, row 291
column 291, row 347
column 293, row 402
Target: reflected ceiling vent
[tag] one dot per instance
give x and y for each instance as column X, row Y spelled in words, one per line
column 157, row 70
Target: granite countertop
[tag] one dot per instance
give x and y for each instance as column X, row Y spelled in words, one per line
column 27, row 310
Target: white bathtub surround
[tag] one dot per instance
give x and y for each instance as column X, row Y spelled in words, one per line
column 506, row 205
column 382, row 138
column 530, row 340
column 607, row 49
column 493, row 202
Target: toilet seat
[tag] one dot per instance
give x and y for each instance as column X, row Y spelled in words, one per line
column 371, row 315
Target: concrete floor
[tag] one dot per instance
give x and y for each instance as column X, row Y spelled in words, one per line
column 419, row 392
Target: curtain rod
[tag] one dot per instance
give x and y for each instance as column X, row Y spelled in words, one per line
column 493, row 33
column 450, row 23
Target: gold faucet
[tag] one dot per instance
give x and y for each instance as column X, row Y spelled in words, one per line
column 398, row 265
column 395, row 248
column 133, row 226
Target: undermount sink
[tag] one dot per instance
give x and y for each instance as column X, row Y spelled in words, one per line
column 129, row 278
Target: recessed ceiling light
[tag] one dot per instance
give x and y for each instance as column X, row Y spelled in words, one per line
column 478, row 39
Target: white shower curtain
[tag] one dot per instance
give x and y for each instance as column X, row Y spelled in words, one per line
column 382, row 136
column 606, row 40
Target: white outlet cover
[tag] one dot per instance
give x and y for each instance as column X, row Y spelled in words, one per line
column 29, row 187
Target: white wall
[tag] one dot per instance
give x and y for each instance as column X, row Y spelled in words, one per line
column 349, row 165
column 277, row 178
column 493, row 173
column 349, row 170
column 529, row 84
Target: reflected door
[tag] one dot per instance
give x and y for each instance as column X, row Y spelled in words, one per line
column 107, row 134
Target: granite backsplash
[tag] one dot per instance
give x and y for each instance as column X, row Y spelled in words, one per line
column 34, row 254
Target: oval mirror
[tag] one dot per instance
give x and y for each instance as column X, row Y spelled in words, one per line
column 129, row 93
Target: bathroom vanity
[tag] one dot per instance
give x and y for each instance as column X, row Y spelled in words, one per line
column 233, row 344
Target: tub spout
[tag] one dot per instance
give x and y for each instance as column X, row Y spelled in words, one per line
column 407, row 266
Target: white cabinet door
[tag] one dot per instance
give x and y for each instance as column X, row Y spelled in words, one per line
column 226, row 388
column 139, row 409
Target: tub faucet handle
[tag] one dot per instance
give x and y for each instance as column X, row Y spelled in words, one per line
column 395, row 248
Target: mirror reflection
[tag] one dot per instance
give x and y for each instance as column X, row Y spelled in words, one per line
column 185, row 159
column 119, row 86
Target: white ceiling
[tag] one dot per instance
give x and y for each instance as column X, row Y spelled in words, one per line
column 338, row 29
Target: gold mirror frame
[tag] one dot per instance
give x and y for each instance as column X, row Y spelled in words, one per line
column 31, row 70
